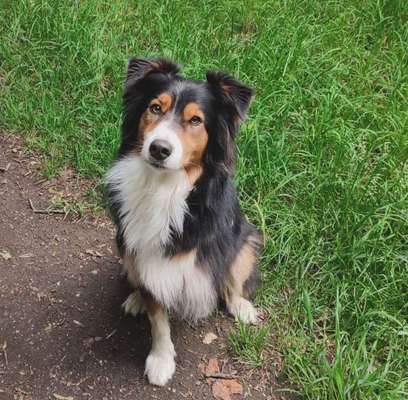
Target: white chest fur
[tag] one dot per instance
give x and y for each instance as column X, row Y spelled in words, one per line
column 178, row 283
column 152, row 201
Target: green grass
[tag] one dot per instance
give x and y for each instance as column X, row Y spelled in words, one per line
column 323, row 166
column 250, row 342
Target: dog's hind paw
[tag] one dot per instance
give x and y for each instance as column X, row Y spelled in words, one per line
column 160, row 367
column 134, row 304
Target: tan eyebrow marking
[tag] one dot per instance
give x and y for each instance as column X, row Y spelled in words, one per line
column 191, row 110
column 194, row 139
column 164, row 100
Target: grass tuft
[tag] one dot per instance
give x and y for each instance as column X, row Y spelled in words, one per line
column 249, row 343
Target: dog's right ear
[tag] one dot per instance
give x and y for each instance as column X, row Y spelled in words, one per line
column 232, row 92
column 138, row 68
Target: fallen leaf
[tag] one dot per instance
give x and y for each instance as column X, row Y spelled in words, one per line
column 209, row 338
column 222, row 389
column 5, row 254
column 220, row 392
column 78, row 323
column 233, row 386
column 212, row 367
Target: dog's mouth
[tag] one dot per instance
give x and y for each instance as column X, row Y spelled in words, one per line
column 155, row 164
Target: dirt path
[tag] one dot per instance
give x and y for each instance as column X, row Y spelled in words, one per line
column 62, row 333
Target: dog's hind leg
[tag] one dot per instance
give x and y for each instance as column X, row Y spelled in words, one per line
column 242, row 280
column 160, row 364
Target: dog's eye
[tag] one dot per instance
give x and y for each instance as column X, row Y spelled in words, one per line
column 155, row 109
column 195, row 120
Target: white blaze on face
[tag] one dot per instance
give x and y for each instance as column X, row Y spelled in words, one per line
column 165, row 131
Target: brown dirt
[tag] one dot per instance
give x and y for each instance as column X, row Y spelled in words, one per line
column 62, row 332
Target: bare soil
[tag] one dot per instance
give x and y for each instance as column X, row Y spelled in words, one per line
column 62, row 332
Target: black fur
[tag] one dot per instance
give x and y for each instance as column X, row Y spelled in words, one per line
column 214, row 224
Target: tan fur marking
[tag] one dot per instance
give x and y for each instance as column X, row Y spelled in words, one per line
column 193, row 138
column 180, row 256
column 191, row 110
column 240, row 271
column 165, row 102
column 150, row 302
column 149, row 121
column 193, row 173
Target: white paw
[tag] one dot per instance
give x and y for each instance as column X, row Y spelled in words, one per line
column 134, row 304
column 160, row 367
column 243, row 310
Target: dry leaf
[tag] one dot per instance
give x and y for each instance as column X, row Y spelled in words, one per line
column 220, row 392
column 222, row 389
column 209, row 338
column 233, row 386
column 5, row 254
column 212, row 367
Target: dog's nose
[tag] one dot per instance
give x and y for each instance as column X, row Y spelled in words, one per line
column 160, row 149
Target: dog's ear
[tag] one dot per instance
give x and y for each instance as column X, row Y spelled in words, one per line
column 139, row 68
column 234, row 93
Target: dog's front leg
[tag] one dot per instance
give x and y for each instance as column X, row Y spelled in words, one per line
column 160, row 364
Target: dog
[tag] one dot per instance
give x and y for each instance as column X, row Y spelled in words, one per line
column 183, row 240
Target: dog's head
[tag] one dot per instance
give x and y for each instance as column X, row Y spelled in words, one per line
column 175, row 123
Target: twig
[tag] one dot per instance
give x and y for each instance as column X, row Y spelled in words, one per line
column 219, row 375
column 4, row 348
column 110, row 334
column 5, row 169
column 45, row 211
column 77, row 383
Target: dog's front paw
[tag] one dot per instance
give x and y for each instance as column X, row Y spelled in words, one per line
column 243, row 310
column 134, row 304
column 160, row 367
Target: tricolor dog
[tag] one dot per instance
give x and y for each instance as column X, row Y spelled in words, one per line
column 183, row 239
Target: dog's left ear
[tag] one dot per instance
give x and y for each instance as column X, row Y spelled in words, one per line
column 234, row 93
column 138, row 68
